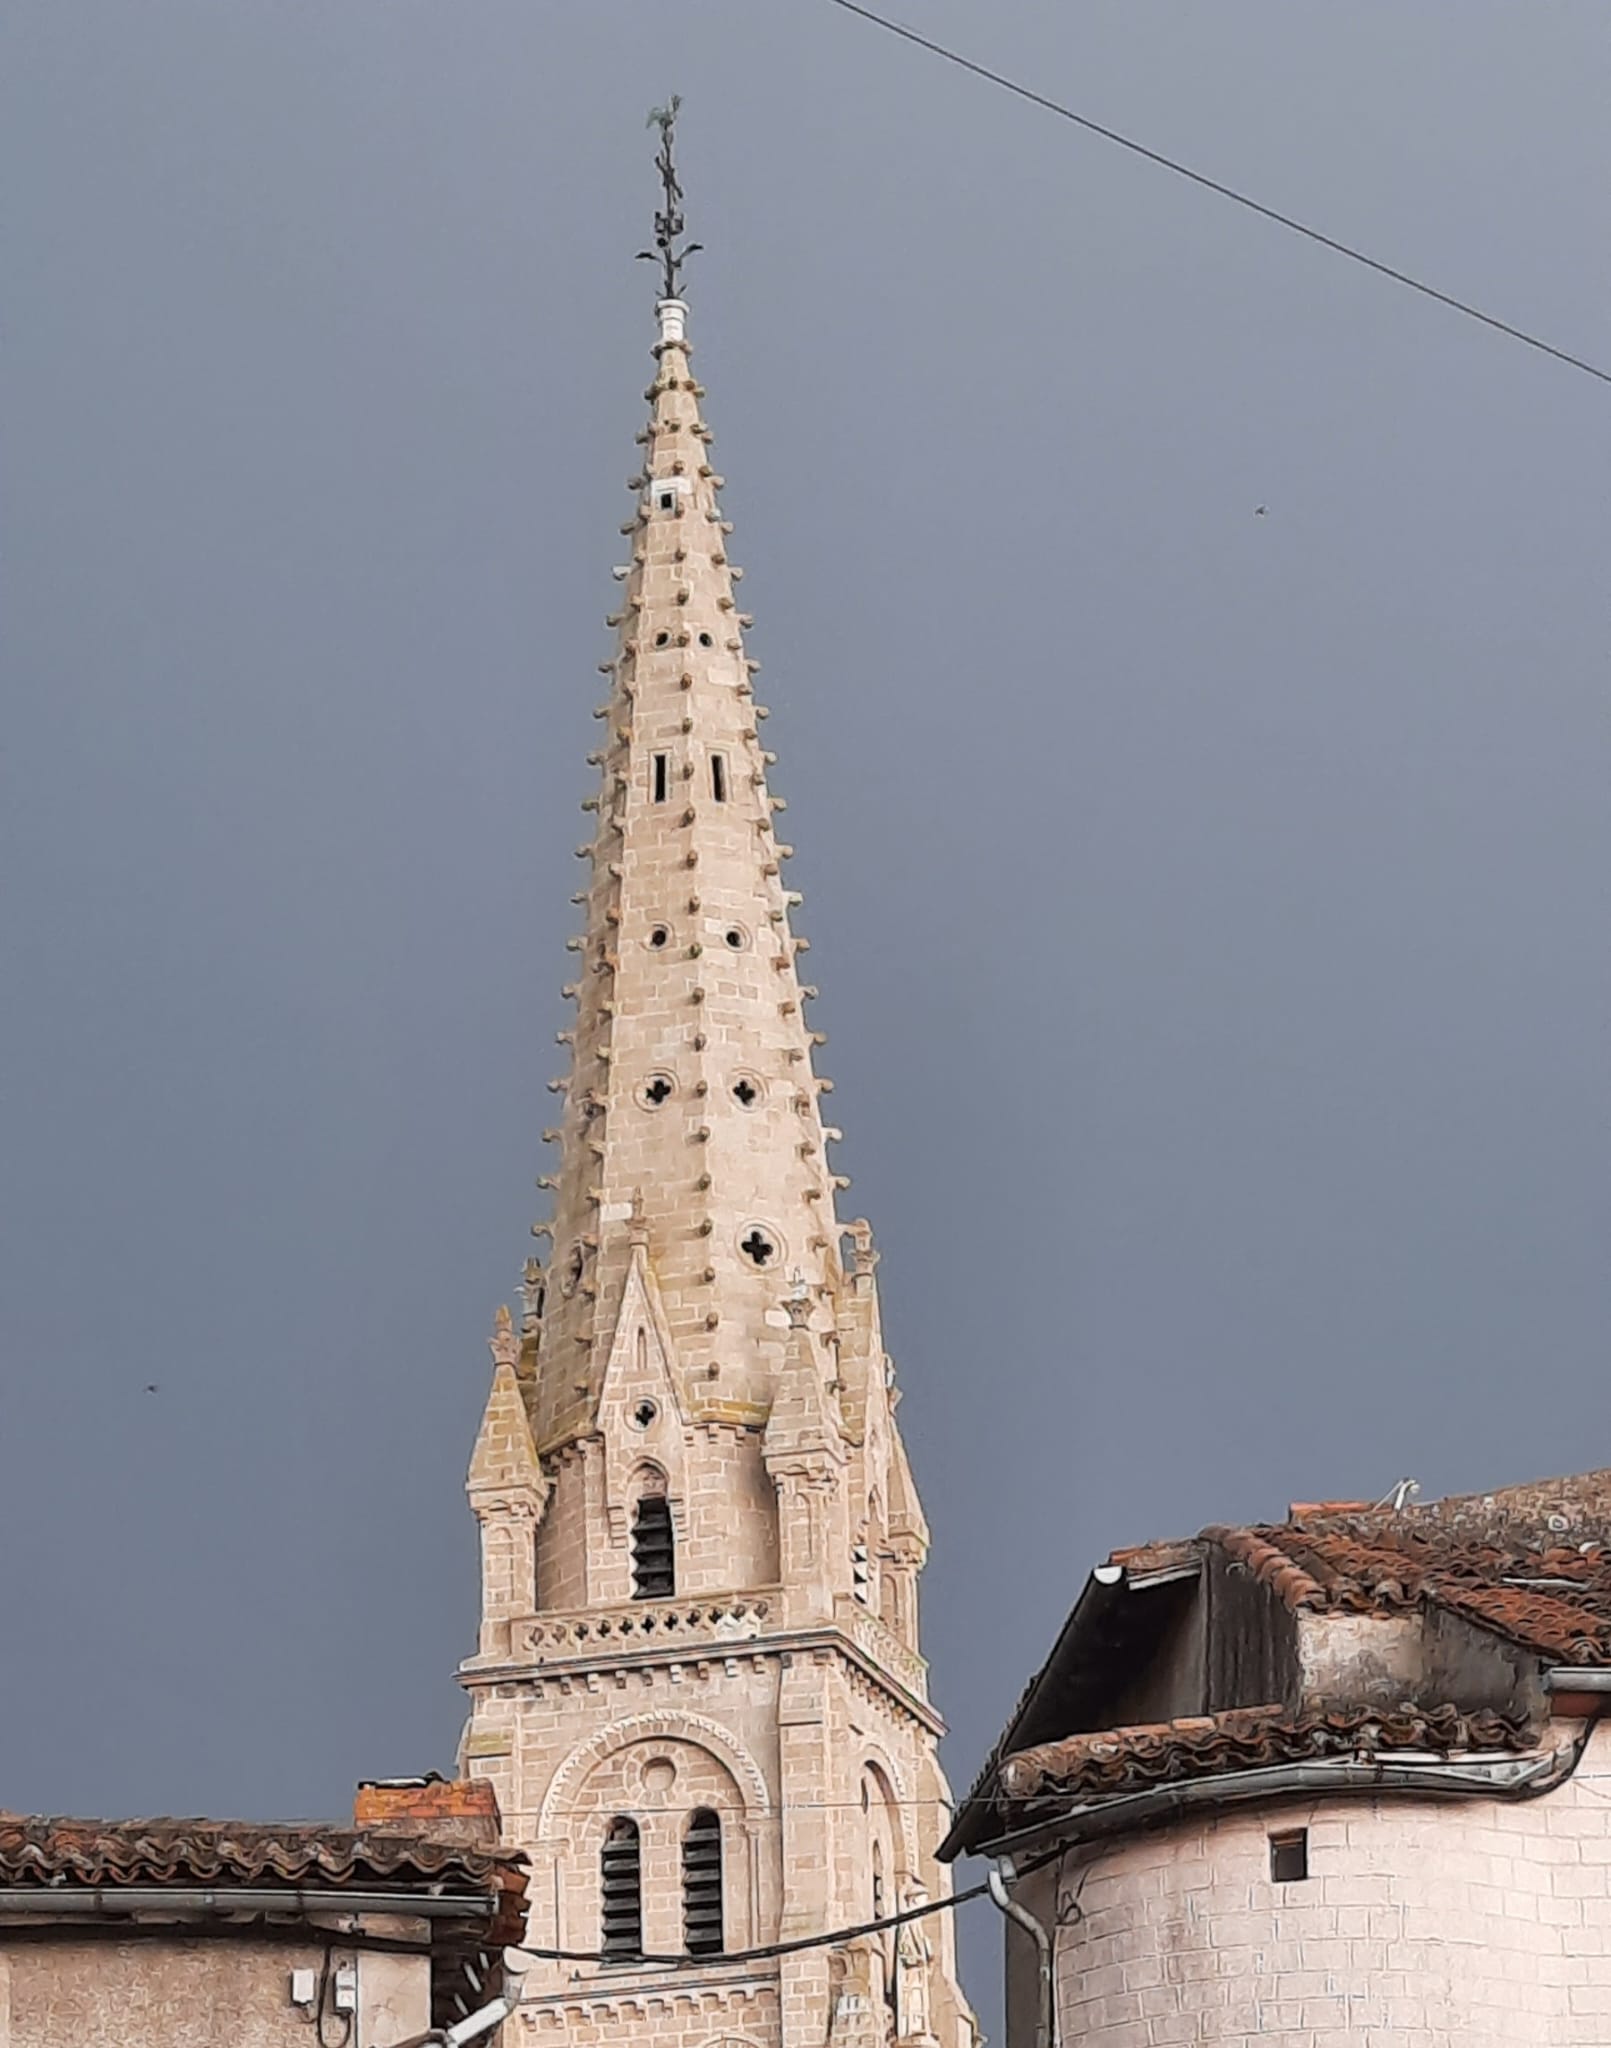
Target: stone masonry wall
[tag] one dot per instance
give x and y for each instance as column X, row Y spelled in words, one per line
column 1421, row 1924
column 806, row 1763
column 167, row 1992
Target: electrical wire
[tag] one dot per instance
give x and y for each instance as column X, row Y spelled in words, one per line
column 1285, row 220
column 581, row 1812
column 832, row 1939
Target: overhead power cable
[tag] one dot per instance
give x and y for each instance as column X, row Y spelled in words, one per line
column 1285, row 220
column 832, row 1939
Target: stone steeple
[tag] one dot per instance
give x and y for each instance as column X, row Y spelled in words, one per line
column 697, row 1689
column 690, row 1102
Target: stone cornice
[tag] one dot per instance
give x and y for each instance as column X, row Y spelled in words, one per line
column 632, row 1992
column 614, row 1654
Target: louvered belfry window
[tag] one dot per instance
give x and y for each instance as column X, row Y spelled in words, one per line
column 654, row 1568
column 621, row 1893
column 702, row 1885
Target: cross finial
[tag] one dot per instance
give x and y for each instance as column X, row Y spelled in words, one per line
column 669, row 226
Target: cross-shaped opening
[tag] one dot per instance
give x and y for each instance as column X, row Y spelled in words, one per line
column 757, row 1247
column 745, row 1091
column 656, row 1090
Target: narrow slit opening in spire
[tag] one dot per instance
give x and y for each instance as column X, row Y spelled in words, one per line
column 718, row 777
column 662, row 777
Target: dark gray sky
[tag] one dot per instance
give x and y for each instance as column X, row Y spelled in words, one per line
column 1210, row 911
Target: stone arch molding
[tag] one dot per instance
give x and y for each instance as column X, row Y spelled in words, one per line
column 664, row 1724
column 875, row 1754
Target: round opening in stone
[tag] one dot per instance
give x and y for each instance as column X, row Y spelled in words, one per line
column 660, row 936
column 759, row 1247
column 657, row 1089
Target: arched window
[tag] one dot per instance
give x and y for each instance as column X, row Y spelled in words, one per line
column 702, row 1884
column 621, row 1893
column 654, row 1565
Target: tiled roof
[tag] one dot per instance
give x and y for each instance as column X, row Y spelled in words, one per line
column 1530, row 1564
column 1134, row 1759
column 36, row 1849
column 1143, row 1558
column 1547, row 1589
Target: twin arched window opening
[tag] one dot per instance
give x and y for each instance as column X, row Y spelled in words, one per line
column 621, row 1889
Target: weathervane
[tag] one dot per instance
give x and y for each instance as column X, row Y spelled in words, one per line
column 669, row 225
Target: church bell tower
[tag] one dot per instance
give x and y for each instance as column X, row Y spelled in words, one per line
column 698, row 1690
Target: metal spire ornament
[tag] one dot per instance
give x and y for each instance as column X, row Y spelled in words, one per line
column 669, row 226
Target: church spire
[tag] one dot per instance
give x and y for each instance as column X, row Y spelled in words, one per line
column 691, row 1110
column 698, row 1691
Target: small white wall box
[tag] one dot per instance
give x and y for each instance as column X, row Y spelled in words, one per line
column 346, row 1988
column 665, row 491
column 304, row 1987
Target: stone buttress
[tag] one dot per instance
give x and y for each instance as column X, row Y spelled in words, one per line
column 698, row 1690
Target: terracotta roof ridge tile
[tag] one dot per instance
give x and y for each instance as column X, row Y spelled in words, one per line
column 1141, row 1558
column 1269, row 1564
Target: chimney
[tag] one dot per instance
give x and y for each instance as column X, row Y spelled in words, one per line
column 449, row 1809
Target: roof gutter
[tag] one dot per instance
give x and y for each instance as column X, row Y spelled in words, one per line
column 59, row 1901
column 1578, row 1678
column 1526, row 1777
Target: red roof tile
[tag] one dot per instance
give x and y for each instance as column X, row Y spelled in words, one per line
column 39, row 1849
column 1116, row 1760
column 1512, row 1575
column 1141, row 1558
